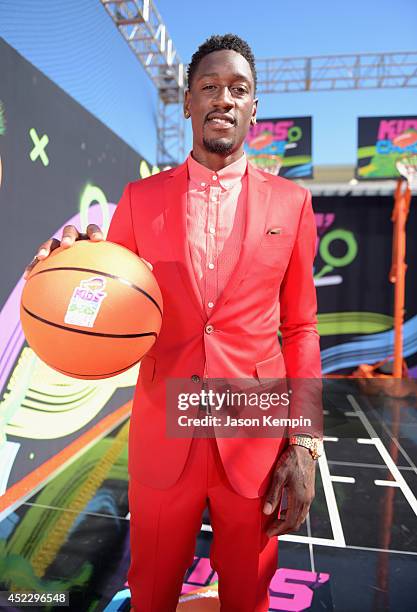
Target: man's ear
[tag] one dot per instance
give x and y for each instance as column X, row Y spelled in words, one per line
column 186, row 104
column 254, row 110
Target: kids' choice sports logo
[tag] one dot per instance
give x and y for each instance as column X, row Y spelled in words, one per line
column 86, row 301
column 332, row 259
column 382, row 142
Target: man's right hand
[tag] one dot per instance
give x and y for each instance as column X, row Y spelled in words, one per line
column 69, row 235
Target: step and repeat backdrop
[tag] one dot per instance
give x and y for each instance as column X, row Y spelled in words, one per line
column 60, row 165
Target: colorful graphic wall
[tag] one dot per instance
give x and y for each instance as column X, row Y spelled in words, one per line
column 381, row 142
column 58, row 165
column 281, row 146
column 355, row 297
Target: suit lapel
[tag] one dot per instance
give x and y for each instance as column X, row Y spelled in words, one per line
column 259, row 192
column 175, row 214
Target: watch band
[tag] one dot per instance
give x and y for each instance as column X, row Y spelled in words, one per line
column 314, row 445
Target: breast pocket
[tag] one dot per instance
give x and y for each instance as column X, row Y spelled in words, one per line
column 273, row 254
column 277, row 241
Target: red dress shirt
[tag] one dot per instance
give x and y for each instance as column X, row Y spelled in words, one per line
column 216, row 208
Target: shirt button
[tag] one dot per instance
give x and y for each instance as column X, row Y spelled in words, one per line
column 209, row 329
column 211, row 266
column 203, row 184
column 195, row 378
column 214, row 177
column 210, row 304
column 212, row 230
column 214, row 198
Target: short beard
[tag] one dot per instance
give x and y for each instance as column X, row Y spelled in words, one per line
column 220, row 147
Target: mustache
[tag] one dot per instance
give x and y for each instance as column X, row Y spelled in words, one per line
column 217, row 114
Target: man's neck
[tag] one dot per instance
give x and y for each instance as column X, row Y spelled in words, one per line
column 213, row 161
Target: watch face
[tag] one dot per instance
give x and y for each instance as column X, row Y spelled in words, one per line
column 317, row 448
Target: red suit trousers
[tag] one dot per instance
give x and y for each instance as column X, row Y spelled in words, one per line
column 164, row 525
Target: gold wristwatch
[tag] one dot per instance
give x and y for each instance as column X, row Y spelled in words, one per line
column 314, row 445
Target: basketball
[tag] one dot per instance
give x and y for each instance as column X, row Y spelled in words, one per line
column 92, row 310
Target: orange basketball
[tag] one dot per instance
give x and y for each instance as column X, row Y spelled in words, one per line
column 92, row 310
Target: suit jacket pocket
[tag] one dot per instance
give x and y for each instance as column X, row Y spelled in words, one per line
column 273, row 367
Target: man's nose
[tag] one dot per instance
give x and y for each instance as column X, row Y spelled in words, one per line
column 224, row 97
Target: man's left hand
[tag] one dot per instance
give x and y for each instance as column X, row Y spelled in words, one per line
column 295, row 470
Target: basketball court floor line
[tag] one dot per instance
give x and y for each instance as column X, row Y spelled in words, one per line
column 60, row 509
column 379, row 466
column 297, row 539
column 342, row 479
column 398, row 477
column 335, row 521
column 327, row 542
column 310, row 546
column 383, row 550
column 386, row 483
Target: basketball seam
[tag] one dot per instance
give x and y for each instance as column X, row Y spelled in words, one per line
column 86, row 376
column 108, row 275
column 84, row 331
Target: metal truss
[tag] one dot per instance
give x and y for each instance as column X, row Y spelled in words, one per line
column 337, row 72
column 140, row 24
column 170, row 133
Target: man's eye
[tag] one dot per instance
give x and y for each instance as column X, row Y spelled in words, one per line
column 208, row 87
column 240, row 90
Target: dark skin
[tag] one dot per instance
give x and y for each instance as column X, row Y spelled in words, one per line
column 222, row 87
column 222, row 105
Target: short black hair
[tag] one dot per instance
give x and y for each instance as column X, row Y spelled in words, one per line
column 223, row 42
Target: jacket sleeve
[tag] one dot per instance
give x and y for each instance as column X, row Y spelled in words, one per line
column 121, row 226
column 298, row 315
column 298, row 303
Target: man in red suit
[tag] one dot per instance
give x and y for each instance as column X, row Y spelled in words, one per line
column 232, row 249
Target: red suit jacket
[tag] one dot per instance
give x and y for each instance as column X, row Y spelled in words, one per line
column 271, row 287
